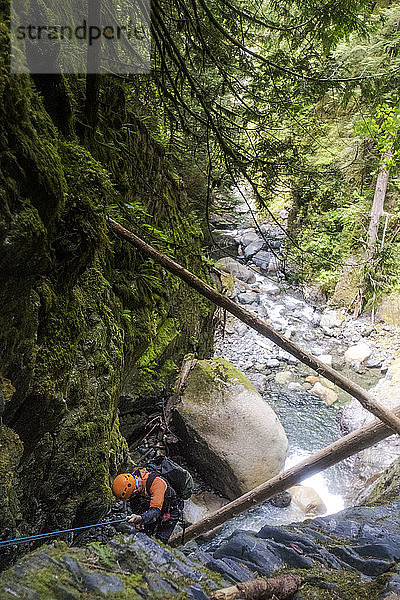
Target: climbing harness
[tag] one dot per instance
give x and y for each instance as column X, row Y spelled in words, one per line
column 39, row 536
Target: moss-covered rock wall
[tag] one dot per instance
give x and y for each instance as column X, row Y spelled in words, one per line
column 84, row 320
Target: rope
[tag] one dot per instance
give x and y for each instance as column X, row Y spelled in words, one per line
column 39, row 536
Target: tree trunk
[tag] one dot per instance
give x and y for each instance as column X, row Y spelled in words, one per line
column 262, row 588
column 372, row 235
column 330, row 455
column 377, row 207
column 366, row 399
column 93, row 69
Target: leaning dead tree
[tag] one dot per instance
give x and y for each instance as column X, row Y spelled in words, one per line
column 366, row 399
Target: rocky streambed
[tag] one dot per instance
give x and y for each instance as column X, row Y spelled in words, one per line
column 312, row 410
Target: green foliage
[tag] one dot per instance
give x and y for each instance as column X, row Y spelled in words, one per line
column 330, row 174
column 105, row 555
column 383, row 129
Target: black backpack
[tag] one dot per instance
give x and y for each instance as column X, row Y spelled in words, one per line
column 178, row 478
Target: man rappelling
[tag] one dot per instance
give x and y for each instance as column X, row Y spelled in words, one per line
column 156, row 506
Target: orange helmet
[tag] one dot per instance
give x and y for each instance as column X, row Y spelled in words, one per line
column 124, row 484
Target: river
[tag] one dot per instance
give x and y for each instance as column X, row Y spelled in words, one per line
column 310, row 423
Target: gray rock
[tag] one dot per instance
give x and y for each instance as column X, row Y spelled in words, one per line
column 217, row 393
column 261, row 259
column 331, row 318
column 98, row 582
column 359, row 353
column 274, row 265
column 251, row 552
column 230, row 569
column 194, row 592
column 15, row 590
column 364, row 539
column 248, row 238
column 392, row 587
column 253, row 248
column 295, row 386
column 356, row 366
column 235, row 268
column 291, row 360
column 248, row 298
column 272, row 290
column 272, row 363
column 374, row 362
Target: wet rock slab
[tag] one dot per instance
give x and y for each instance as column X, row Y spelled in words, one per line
column 363, row 540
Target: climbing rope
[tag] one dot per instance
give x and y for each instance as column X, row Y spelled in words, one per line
column 39, row 536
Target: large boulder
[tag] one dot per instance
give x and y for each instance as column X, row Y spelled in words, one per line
column 262, row 259
column 230, row 433
column 235, row 268
column 331, row 318
column 253, row 248
column 202, row 505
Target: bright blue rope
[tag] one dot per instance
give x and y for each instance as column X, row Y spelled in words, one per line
column 39, row 536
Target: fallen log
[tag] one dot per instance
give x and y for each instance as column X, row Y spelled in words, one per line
column 330, row 455
column 281, row 588
column 366, row 399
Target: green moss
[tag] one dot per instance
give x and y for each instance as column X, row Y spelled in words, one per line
column 387, row 487
column 11, row 449
column 164, row 336
column 6, row 389
column 105, row 555
column 83, row 311
column 50, row 581
column 207, row 373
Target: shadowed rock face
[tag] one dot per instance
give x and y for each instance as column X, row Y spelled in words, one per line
column 384, row 488
column 353, row 554
column 81, row 313
column 231, row 434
